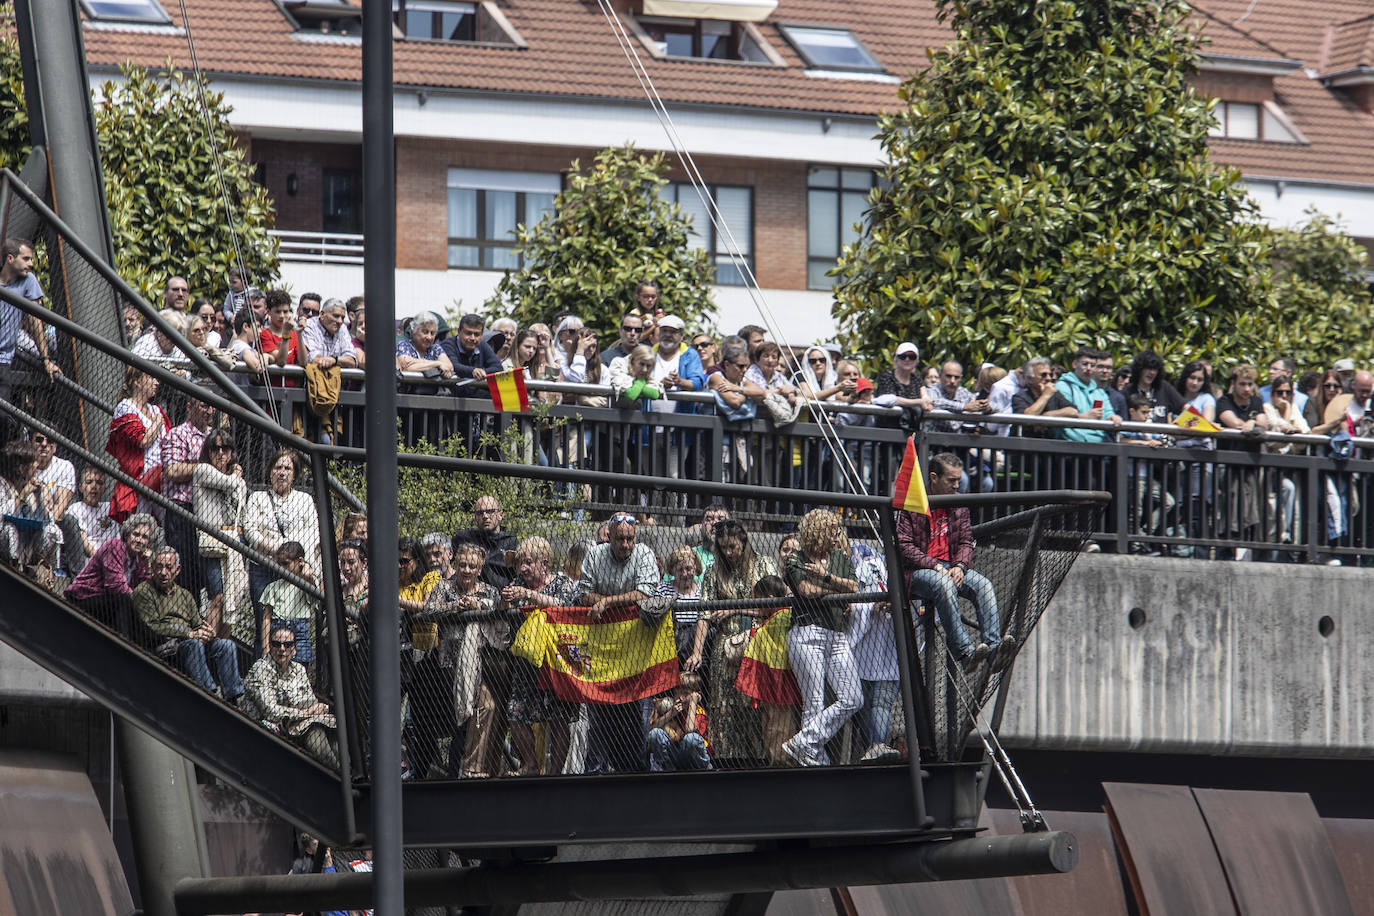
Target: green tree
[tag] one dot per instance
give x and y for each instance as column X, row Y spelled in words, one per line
column 1325, row 311
column 166, row 209
column 14, row 118
column 609, row 230
column 1049, row 186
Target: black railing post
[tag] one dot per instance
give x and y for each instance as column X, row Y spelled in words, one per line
column 913, row 692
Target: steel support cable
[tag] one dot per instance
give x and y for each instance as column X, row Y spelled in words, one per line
column 239, row 261
column 828, row 434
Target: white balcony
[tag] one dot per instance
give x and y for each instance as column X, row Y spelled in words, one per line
column 319, row 247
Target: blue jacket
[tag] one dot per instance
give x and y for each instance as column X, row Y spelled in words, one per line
column 1082, row 395
column 689, row 368
column 483, row 357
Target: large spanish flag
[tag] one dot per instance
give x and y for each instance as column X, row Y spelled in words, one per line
column 764, row 672
column 909, row 490
column 616, row 659
column 508, row 390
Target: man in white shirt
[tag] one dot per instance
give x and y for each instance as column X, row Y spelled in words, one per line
column 57, row 478
column 1001, row 395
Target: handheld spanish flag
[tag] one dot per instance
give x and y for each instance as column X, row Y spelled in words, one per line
column 615, row 659
column 1191, row 419
column 909, row 490
column 508, row 390
column 765, row 672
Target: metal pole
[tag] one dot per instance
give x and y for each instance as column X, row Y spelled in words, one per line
column 379, row 288
column 917, row 725
column 675, row 876
column 334, row 615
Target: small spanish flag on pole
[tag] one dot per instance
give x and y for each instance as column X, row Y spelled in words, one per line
column 909, row 490
column 508, row 390
column 1191, row 419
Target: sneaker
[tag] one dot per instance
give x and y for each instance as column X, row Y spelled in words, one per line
column 975, row 658
column 1242, row 554
column 878, row 753
column 1004, row 653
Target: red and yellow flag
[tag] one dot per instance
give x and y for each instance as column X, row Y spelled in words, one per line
column 508, row 390
column 616, row 659
column 765, row 673
column 1191, row 419
column 909, row 490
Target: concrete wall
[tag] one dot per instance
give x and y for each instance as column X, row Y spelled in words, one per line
column 1149, row 654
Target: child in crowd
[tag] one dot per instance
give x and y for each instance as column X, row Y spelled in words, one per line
column 286, row 605
column 1148, row 493
column 677, row 729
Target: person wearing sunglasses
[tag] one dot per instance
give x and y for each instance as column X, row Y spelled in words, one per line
column 901, row 386
column 631, row 330
column 1321, row 413
column 818, row 379
column 277, row 693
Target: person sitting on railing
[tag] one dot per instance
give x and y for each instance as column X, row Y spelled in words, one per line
column 104, row 587
column 16, row 275
column 678, row 728
column 170, row 615
column 1040, row 398
column 817, row 648
column 470, row 358
column 538, row 585
column 237, row 296
column 1089, row 400
column 277, row 693
column 901, row 386
column 781, row 398
column 135, row 441
column 936, row 551
column 419, row 352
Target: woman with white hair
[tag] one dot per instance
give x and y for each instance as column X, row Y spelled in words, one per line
column 420, row 352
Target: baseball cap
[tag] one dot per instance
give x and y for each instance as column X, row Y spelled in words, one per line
column 671, row 321
column 1344, row 365
column 862, row 385
column 908, row 347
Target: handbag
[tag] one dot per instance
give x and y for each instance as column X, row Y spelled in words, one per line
column 215, row 550
column 735, row 647
column 782, row 410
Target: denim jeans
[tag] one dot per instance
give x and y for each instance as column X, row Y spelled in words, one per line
column 934, row 586
column 875, row 719
column 197, row 659
column 688, row 754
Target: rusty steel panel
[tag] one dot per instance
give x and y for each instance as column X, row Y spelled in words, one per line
column 816, row 902
column 1167, row 850
column 56, row 854
column 1352, row 841
column 1094, row 886
column 1276, row 853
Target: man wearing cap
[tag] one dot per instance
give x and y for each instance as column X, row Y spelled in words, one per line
column 1345, row 368
column 900, row 386
column 676, row 368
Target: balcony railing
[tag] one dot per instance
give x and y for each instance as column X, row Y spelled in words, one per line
column 319, row 247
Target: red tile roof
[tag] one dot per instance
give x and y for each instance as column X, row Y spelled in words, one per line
column 572, row 52
column 1350, row 46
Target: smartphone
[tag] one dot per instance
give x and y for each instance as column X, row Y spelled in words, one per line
column 1097, row 405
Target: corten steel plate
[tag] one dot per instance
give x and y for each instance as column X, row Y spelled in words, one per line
column 1276, row 853
column 56, row 854
column 1352, row 841
column 1168, row 851
column 1094, row 886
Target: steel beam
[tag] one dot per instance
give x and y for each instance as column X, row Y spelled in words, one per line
column 673, row 876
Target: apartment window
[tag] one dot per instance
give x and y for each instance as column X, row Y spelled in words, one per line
column 736, row 205
column 829, row 48
column 835, row 202
column 1251, row 121
column 713, row 39
column 485, row 206
column 126, row 10
column 342, row 199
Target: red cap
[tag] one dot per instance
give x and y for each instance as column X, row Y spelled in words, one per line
column 863, row 385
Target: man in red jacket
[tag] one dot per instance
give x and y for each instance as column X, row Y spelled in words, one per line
column 936, row 552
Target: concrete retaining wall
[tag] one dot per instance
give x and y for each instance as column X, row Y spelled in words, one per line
column 1148, row 654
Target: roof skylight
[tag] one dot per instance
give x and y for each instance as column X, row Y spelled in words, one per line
column 827, row 48
column 126, row 11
